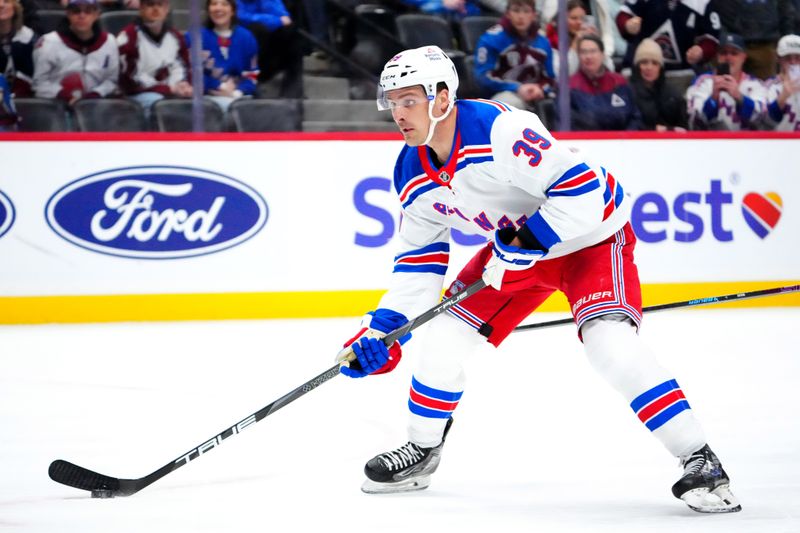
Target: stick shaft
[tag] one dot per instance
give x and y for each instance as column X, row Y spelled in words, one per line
column 82, row 478
column 675, row 305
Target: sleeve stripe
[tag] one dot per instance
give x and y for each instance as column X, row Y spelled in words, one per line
column 427, row 268
column 432, row 259
column 578, row 180
column 577, row 190
column 427, row 258
column 435, row 247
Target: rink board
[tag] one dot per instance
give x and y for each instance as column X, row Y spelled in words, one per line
column 166, row 227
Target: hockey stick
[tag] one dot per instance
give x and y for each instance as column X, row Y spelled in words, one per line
column 103, row 486
column 675, row 305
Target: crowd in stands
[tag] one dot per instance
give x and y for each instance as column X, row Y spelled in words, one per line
column 632, row 65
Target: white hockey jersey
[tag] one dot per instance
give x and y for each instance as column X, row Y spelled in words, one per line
column 505, row 169
column 787, row 118
column 56, row 56
column 703, row 109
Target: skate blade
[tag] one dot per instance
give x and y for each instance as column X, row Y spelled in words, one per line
column 719, row 500
column 408, row 485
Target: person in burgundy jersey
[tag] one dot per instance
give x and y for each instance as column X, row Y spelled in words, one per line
column 555, row 222
column 600, row 98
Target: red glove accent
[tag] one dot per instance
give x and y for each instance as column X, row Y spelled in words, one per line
column 70, row 84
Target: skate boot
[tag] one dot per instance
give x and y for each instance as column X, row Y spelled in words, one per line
column 705, row 487
column 407, row 468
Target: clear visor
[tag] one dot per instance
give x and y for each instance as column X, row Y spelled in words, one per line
column 387, row 102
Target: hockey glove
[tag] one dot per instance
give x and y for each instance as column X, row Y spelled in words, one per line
column 366, row 353
column 506, row 258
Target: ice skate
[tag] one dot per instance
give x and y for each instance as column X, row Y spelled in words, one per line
column 405, row 469
column 705, row 487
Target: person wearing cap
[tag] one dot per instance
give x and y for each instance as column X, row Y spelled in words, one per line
column 77, row 60
column 600, row 98
column 155, row 57
column 554, row 221
column 760, row 23
column 729, row 98
column 662, row 106
column 783, row 91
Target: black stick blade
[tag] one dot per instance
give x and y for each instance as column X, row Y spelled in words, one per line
column 76, row 476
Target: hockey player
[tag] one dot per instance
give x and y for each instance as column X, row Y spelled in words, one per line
column 554, row 222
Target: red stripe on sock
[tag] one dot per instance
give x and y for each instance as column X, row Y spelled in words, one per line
column 657, row 406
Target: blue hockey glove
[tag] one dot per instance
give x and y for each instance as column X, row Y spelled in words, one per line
column 366, row 352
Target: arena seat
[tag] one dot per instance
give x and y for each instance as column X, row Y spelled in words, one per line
column 249, row 115
column 109, row 114
column 175, row 115
column 41, row 114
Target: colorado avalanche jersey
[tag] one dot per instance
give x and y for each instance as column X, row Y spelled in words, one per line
column 505, row 169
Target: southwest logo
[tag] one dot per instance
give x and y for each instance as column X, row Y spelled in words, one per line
column 156, row 212
column 762, row 212
column 7, row 214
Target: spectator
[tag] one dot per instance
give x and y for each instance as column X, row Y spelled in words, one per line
column 578, row 25
column 761, row 24
column 8, row 113
column 16, row 49
column 600, row 98
column 230, row 54
column 154, row 57
column 599, row 10
column 783, row 91
column 687, row 31
column 279, row 45
column 662, row 106
column 449, row 9
column 512, row 60
column 78, row 60
column 727, row 99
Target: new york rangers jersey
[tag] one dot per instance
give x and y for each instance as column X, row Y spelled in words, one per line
column 786, row 118
column 704, row 109
column 505, row 169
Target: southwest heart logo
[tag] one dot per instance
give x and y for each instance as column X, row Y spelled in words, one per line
column 762, row 212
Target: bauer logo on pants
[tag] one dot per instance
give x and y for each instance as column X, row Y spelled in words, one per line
column 6, row 214
column 156, row 212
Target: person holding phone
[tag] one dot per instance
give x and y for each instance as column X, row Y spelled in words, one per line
column 783, row 90
column 728, row 98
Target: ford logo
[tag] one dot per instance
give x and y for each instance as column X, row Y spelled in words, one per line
column 156, row 212
column 6, row 214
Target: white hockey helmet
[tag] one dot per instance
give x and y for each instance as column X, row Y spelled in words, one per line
column 426, row 66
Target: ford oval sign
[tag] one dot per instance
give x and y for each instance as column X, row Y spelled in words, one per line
column 6, row 214
column 156, row 212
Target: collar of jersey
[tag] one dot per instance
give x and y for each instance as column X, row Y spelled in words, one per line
column 441, row 176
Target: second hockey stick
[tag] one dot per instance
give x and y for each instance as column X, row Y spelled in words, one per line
column 675, row 305
column 102, row 486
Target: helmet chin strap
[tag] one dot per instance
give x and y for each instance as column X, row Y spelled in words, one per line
column 434, row 120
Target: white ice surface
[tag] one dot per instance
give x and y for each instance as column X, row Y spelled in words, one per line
column 540, row 442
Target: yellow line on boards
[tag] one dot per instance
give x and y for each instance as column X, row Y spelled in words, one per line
column 322, row 304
